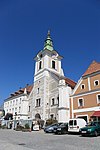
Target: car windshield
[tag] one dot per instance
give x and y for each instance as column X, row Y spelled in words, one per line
column 60, row 123
column 63, row 124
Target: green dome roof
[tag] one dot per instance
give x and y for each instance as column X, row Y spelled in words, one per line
column 48, row 42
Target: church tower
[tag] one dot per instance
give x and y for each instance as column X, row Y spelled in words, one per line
column 50, row 94
column 46, row 79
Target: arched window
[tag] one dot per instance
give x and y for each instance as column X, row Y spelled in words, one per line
column 96, row 82
column 80, row 102
column 40, row 65
column 53, row 64
column 37, row 116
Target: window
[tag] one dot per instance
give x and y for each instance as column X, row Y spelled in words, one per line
column 19, row 109
column 52, row 116
column 16, row 101
column 10, row 103
column 13, row 102
column 20, row 100
column 15, row 109
column 53, row 101
column 53, row 64
column 38, row 101
column 58, row 100
column 80, row 102
column 98, row 98
column 83, row 86
column 75, row 122
column 29, row 109
column 96, row 82
column 38, row 91
column 40, row 65
column 71, row 122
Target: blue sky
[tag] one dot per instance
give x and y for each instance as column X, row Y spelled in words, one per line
column 75, row 30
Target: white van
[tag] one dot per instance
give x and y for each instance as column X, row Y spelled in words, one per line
column 74, row 125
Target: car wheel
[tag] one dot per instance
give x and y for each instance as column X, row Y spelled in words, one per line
column 96, row 133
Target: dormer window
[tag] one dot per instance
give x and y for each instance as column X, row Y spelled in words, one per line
column 83, row 86
column 53, row 64
column 40, row 65
column 96, row 82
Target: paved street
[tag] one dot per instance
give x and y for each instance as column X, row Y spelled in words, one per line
column 14, row 140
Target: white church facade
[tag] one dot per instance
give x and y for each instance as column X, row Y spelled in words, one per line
column 49, row 97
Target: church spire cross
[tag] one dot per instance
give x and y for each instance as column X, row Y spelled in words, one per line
column 48, row 35
column 48, row 42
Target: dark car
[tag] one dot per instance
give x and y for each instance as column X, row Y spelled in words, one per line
column 50, row 128
column 92, row 129
column 61, row 129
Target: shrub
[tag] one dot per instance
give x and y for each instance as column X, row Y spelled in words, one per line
column 27, row 126
column 3, row 127
column 50, row 121
column 19, row 128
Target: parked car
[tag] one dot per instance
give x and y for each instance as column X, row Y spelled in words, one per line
column 50, row 128
column 74, row 125
column 92, row 128
column 61, row 129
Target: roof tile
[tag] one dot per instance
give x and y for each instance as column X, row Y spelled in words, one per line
column 28, row 89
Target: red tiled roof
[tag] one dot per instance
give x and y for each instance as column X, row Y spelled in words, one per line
column 28, row 89
column 96, row 114
column 70, row 82
column 94, row 67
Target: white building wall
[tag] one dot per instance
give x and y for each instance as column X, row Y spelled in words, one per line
column 17, row 105
column 63, row 110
